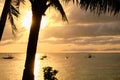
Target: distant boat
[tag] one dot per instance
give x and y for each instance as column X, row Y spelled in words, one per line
column 89, row 56
column 43, row 57
column 66, row 57
column 8, row 57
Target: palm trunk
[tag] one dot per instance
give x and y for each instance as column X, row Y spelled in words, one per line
column 4, row 16
column 28, row 73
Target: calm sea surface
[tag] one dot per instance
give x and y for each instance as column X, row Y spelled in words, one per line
column 70, row 66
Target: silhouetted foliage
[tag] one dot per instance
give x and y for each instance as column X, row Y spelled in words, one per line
column 101, row 6
column 10, row 9
column 49, row 73
column 98, row 6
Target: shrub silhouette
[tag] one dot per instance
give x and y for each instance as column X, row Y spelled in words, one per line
column 49, row 73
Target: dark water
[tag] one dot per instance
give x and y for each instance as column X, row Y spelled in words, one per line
column 70, row 66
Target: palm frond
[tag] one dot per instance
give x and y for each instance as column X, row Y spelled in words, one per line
column 56, row 4
column 11, row 18
column 98, row 6
column 14, row 11
column 101, row 6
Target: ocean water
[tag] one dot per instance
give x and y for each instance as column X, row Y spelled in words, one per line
column 70, row 66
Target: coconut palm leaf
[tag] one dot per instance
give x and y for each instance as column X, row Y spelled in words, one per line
column 14, row 11
column 10, row 8
column 101, row 6
column 56, row 4
column 11, row 18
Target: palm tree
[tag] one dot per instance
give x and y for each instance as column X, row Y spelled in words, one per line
column 9, row 10
column 38, row 9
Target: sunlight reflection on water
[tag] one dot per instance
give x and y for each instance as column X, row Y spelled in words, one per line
column 37, row 67
column 38, row 71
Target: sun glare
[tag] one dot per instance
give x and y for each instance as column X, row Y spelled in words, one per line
column 26, row 22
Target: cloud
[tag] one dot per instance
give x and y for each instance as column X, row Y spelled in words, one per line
column 77, row 16
column 112, row 49
column 87, row 30
column 91, row 49
column 21, row 35
column 79, row 49
column 6, row 42
column 99, row 40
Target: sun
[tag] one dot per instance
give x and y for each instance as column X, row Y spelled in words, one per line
column 26, row 22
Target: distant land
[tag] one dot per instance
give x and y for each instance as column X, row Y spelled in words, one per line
column 86, row 52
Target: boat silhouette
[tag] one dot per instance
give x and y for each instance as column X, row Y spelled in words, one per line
column 8, row 57
column 89, row 56
column 43, row 57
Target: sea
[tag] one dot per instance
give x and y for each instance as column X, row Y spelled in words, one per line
column 70, row 66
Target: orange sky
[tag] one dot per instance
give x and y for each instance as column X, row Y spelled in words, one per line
column 84, row 32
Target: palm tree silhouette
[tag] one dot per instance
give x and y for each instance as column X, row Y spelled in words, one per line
column 38, row 9
column 10, row 10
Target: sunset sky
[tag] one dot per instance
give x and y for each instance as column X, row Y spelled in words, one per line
column 85, row 31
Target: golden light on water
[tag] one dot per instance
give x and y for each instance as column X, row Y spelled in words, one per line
column 37, row 66
column 26, row 22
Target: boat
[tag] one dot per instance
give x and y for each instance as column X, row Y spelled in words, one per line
column 8, row 57
column 66, row 57
column 43, row 57
column 89, row 56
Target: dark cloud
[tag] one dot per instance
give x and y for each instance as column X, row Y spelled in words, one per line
column 79, row 49
column 104, row 40
column 100, row 40
column 89, row 30
column 112, row 49
column 92, row 49
column 76, row 15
